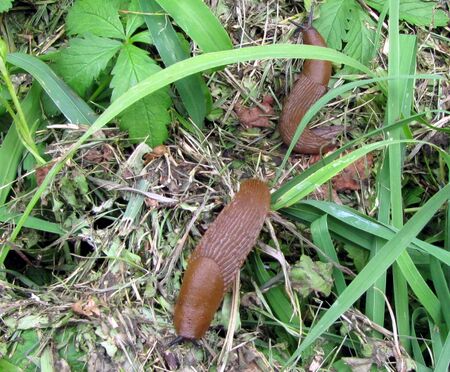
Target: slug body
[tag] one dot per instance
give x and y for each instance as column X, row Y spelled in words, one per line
column 217, row 258
column 308, row 88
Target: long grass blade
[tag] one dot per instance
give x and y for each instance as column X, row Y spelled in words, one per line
column 71, row 105
column 192, row 89
column 197, row 20
column 322, row 238
column 11, row 149
column 379, row 264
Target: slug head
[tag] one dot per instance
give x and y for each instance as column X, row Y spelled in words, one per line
column 200, row 296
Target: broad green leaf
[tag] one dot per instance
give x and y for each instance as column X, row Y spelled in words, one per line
column 84, row 59
column 147, row 119
column 11, row 149
column 376, row 267
column 345, row 21
column 5, row 5
column 100, row 18
column 24, row 349
column 197, row 20
column 71, row 106
column 333, row 22
column 417, row 12
column 132, row 66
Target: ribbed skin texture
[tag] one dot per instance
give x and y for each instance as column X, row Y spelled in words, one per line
column 308, row 88
column 218, row 256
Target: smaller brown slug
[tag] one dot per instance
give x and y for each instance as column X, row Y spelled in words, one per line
column 308, row 88
column 217, row 258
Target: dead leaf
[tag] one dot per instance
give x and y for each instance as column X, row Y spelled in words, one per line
column 255, row 116
column 157, row 152
column 352, row 176
column 323, row 193
column 88, row 309
column 41, row 172
column 100, row 154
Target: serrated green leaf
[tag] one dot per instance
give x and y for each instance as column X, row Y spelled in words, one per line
column 134, row 21
column 83, row 61
column 5, row 5
column 133, row 65
column 360, row 37
column 334, row 21
column 100, row 18
column 147, row 119
column 344, row 21
column 142, row 37
column 309, row 276
column 417, row 12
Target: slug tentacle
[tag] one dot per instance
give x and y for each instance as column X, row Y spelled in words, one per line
column 217, row 258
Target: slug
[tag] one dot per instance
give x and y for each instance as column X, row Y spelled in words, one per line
column 308, row 88
column 217, row 258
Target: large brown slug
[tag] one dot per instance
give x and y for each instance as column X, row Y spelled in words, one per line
column 308, row 88
column 217, row 258
column 227, row 242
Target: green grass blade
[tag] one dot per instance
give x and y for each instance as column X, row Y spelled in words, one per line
column 441, row 285
column 31, row 222
column 197, row 20
column 72, row 107
column 416, row 350
column 334, row 155
column 414, row 278
column 375, row 296
column 379, row 264
column 349, row 225
column 418, row 285
column 443, row 362
column 310, row 183
column 192, row 88
column 276, row 297
column 11, row 149
column 401, row 61
column 321, row 238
